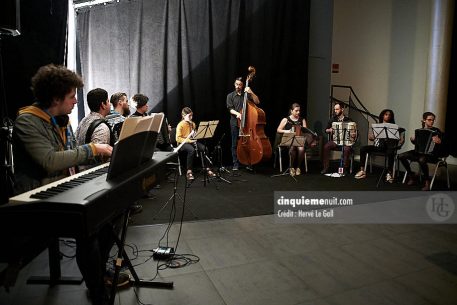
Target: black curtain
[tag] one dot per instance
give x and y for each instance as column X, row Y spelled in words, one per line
column 188, row 53
column 42, row 41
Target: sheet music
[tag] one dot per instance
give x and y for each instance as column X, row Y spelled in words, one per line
column 205, row 130
column 385, row 131
column 290, row 139
column 133, row 125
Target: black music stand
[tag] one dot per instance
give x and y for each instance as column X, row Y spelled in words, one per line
column 385, row 131
column 290, row 140
column 122, row 258
column 205, row 130
column 142, row 133
column 307, row 130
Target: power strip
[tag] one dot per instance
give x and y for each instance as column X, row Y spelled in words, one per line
column 162, row 253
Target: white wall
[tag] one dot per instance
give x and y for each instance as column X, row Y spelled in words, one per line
column 382, row 50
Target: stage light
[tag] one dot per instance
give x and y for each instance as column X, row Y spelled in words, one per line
column 91, row 3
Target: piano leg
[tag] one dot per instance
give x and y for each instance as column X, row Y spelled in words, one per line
column 55, row 276
column 122, row 256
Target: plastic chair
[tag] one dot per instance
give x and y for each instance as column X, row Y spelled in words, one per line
column 279, row 150
column 383, row 154
column 440, row 162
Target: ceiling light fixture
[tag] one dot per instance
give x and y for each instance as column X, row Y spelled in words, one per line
column 91, row 3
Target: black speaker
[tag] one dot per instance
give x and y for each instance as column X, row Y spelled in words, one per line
column 10, row 20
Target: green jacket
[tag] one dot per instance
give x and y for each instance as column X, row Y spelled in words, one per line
column 41, row 151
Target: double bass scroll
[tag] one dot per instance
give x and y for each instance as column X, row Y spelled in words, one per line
column 253, row 145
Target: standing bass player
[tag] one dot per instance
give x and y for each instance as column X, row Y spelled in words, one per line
column 234, row 105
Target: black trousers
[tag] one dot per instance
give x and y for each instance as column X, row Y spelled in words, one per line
column 190, row 150
column 411, row 155
column 92, row 254
column 389, row 151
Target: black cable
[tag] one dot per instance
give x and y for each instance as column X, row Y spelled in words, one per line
column 69, row 243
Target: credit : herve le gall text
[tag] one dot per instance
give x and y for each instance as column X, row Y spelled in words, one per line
column 327, row 213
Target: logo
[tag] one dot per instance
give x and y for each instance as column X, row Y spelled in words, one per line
column 440, row 207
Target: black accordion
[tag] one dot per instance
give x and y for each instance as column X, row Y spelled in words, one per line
column 423, row 143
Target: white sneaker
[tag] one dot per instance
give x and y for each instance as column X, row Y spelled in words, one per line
column 297, row 172
column 389, row 178
column 360, row 175
column 292, row 171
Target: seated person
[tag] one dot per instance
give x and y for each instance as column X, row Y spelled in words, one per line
column 289, row 125
column 388, row 146
column 331, row 145
column 141, row 104
column 45, row 150
column 91, row 129
column 183, row 131
column 163, row 138
column 428, row 119
column 120, row 111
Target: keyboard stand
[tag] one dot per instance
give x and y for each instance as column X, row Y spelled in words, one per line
column 122, row 256
column 55, row 276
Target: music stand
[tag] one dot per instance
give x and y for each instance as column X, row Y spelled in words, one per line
column 205, row 131
column 290, row 140
column 385, row 131
column 307, row 130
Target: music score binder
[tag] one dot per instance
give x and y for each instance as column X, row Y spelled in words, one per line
column 136, row 144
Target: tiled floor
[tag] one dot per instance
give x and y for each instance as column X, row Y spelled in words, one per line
column 255, row 260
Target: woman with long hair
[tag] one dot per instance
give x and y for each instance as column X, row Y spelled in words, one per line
column 387, row 146
column 290, row 124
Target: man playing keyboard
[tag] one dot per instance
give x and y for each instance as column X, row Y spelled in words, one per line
column 45, row 150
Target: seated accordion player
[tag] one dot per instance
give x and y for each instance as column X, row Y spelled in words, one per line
column 423, row 143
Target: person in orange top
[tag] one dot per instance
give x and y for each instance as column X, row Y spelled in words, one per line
column 183, row 131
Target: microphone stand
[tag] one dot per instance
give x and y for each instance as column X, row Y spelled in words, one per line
column 220, row 168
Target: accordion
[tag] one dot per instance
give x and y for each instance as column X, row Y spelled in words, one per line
column 423, row 143
column 344, row 133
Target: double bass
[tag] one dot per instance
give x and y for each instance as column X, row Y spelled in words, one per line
column 253, row 145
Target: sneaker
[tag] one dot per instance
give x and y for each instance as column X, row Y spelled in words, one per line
column 190, row 176
column 292, row 171
column 210, row 173
column 389, row 178
column 136, row 209
column 298, row 172
column 360, row 175
column 123, row 279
